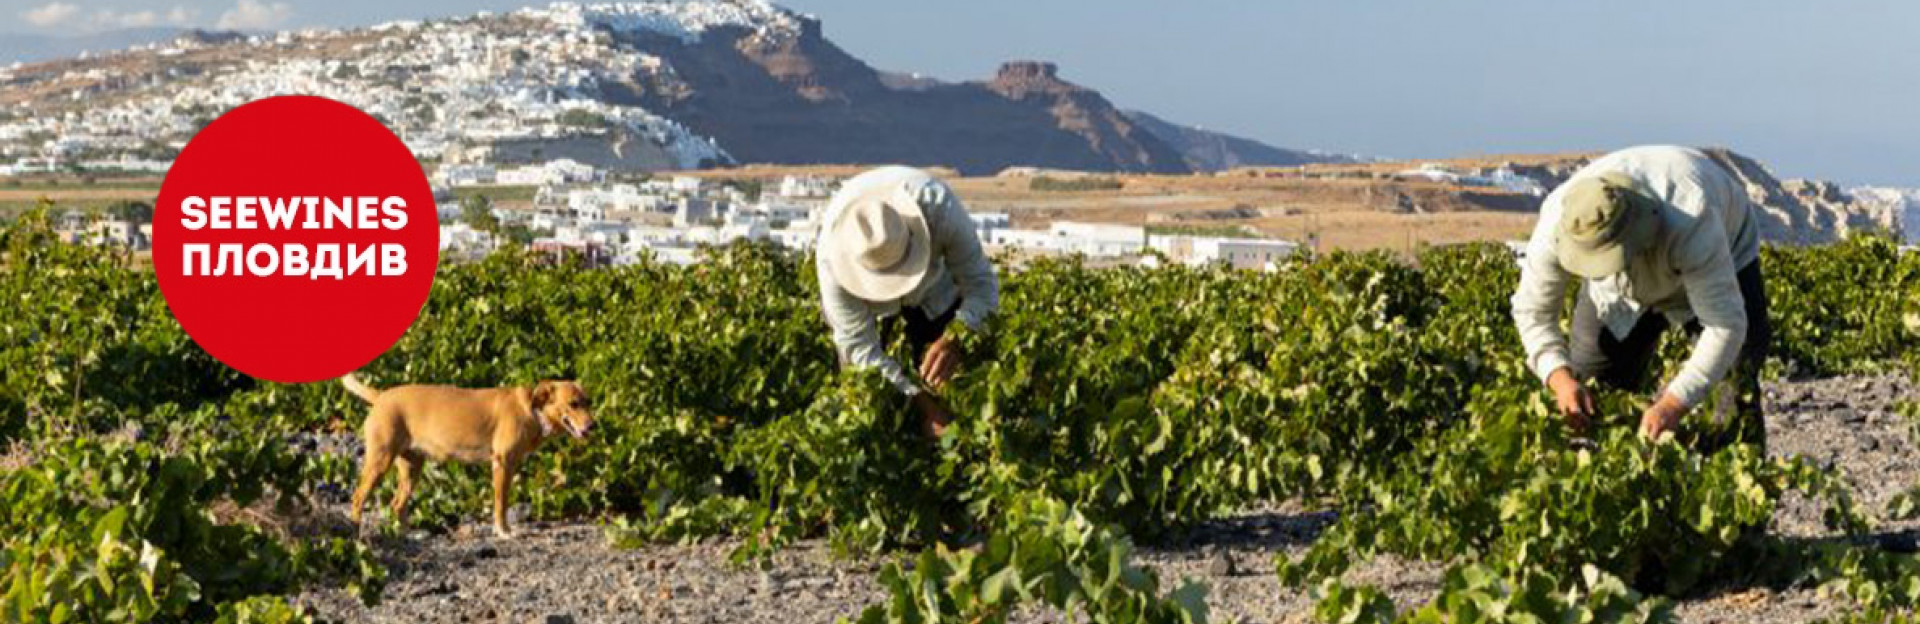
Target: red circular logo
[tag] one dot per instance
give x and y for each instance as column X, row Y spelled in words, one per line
column 295, row 238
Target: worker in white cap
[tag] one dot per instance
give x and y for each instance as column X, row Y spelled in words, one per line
column 896, row 243
column 1656, row 237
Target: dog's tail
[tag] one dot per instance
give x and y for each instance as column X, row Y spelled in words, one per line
column 360, row 389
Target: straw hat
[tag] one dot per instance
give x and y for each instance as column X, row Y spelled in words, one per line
column 1604, row 221
column 878, row 247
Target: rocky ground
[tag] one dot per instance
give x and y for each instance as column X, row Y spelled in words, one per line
column 566, row 572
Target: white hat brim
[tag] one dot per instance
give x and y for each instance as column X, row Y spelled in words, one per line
column 892, row 282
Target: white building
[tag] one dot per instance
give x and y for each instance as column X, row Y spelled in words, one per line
column 462, row 239
column 25, row 166
column 552, row 172
column 992, row 220
column 651, row 236
column 128, row 164
column 467, row 175
column 1099, row 240
column 805, row 186
column 1507, row 179
column 743, row 227
column 547, row 220
column 604, row 233
column 590, row 204
column 1504, row 178
column 1094, row 240
column 789, row 213
column 1239, row 253
column 984, row 223
column 1025, row 240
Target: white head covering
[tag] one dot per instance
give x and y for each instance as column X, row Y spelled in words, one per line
column 878, row 247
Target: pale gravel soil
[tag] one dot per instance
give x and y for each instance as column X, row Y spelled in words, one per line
column 566, row 572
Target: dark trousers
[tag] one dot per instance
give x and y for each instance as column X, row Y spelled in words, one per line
column 921, row 328
column 1734, row 403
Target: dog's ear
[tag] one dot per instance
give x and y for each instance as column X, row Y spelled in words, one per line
column 542, row 392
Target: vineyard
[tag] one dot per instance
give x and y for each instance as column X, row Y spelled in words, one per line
column 1103, row 409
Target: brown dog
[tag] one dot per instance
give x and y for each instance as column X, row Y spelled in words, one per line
column 411, row 424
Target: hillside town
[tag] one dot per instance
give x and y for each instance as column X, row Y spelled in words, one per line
column 481, row 89
column 576, row 211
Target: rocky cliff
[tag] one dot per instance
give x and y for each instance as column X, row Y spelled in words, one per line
column 1804, row 211
column 1792, row 211
column 800, row 99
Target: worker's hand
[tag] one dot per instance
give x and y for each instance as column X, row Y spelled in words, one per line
column 940, row 362
column 933, row 416
column 1576, row 403
column 1661, row 417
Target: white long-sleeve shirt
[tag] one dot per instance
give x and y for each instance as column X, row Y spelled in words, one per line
column 1708, row 234
column 958, row 271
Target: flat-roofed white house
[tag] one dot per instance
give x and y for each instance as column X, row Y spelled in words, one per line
column 590, row 204
column 805, row 186
column 461, row 239
column 1025, row 240
column 985, row 223
column 1239, row 253
column 1099, row 240
column 786, row 212
column 607, row 233
column 552, row 172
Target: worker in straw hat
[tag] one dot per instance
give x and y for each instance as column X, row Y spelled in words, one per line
column 896, row 244
column 1656, row 237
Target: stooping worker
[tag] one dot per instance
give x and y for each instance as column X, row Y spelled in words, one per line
column 1656, row 236
column 896, row 244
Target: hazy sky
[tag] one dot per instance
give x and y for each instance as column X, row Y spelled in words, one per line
column 1814, row 89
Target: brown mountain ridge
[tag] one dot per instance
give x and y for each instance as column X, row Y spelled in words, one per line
column 803, row 100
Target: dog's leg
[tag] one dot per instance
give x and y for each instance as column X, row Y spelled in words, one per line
column 409, row 464
column 502, row 485
column 372, row 468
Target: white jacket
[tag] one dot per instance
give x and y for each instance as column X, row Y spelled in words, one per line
column 959, row 270
column 1709, row 234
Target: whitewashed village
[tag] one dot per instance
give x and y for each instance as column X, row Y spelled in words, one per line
column 670, row 218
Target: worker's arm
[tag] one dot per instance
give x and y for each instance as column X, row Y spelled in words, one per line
column 856, row 333
column 1713, row 292
column 955, row 234
column 1540, row 298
